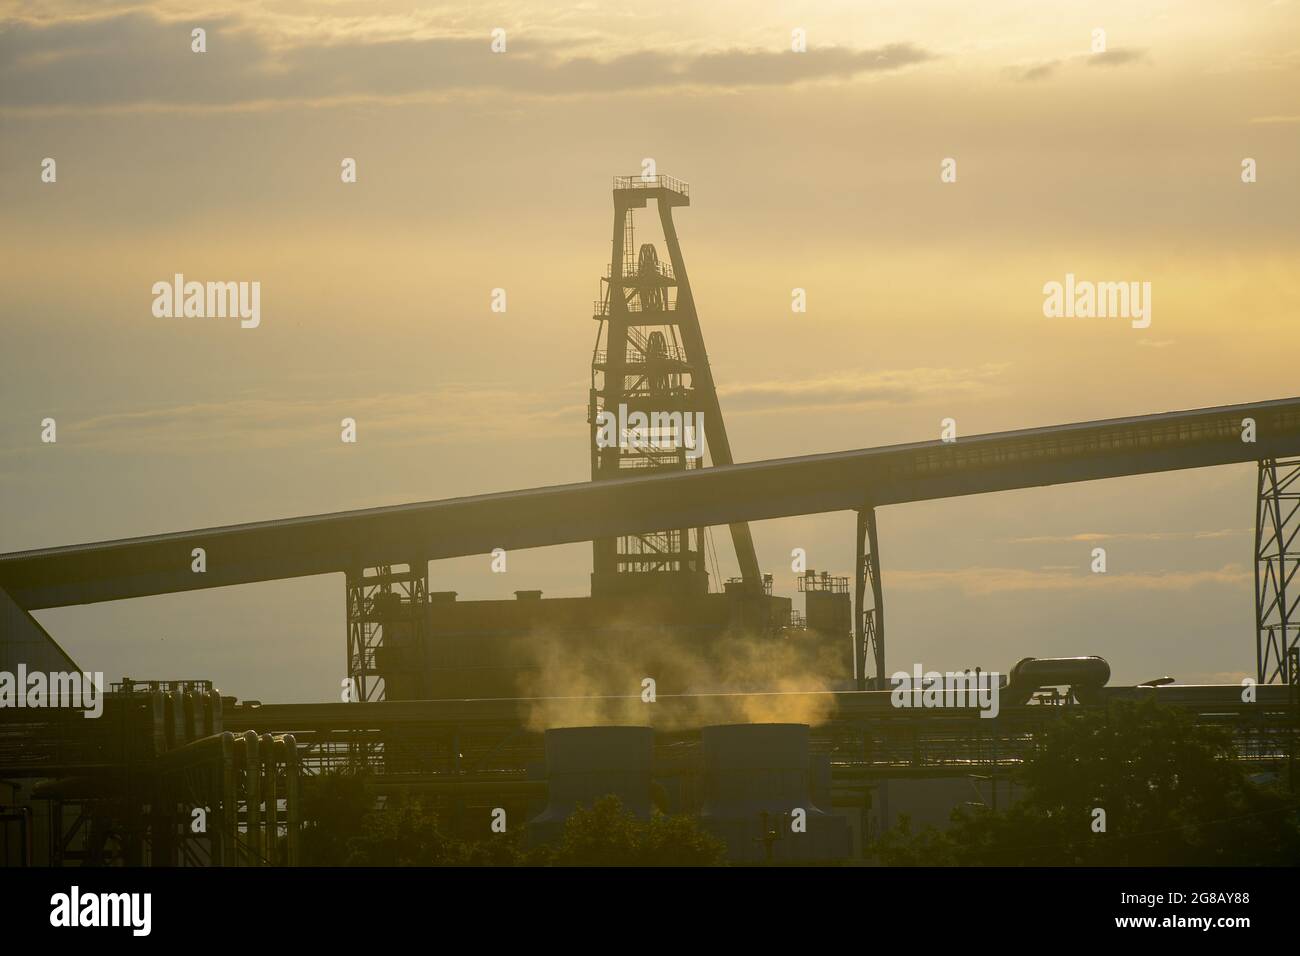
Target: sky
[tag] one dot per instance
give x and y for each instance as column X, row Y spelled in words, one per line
column 818, row 170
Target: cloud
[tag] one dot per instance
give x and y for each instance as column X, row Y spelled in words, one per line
column 1035, row 71
column 452, row 412
column 1089, row 537
column 448, row 413
column 849, row 389
column 138, row 60
column 1215, row 677
column 976, row 582
column 1117, row 56
column 1042, row 69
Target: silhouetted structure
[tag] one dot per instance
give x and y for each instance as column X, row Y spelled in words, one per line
column 649, row 361
column 119, row 789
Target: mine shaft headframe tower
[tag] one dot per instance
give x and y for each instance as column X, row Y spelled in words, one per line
column 1277, row 558
column 654, row 361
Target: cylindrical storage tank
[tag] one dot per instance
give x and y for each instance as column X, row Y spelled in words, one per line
column 755, row 767
column 217, row 705
column 188, row 704
column 1083, row 675
column 159, row 725
column 584, row 764
column 758, row 796
column 176, row 708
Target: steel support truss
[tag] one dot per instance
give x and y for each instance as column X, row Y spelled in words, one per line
column 869, row 622
column 386, row 609
column 1277, row 592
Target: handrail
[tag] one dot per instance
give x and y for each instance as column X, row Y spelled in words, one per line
column 653, row 182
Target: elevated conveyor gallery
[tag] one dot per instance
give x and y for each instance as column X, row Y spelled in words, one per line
column 561, row 514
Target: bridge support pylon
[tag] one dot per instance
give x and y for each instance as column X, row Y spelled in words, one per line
column 868, row 622
column 1277, row 558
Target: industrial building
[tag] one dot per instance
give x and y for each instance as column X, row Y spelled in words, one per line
column 536, row 705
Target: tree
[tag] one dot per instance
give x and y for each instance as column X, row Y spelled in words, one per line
column 901, row 847
column 402, row 834
column 606, row 834
column 342, row 829
column 333, row 806
column 1172, row 793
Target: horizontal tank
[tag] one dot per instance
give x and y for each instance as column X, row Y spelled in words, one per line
column 1082, row 674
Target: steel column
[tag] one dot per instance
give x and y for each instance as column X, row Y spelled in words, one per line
column 869, row 622
column 1277, row 594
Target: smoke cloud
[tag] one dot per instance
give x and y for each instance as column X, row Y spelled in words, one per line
column 740, row 677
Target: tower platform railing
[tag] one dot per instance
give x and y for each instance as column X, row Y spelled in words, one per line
column 653, row 182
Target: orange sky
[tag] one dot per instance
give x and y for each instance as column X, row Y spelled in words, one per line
column 476, row 170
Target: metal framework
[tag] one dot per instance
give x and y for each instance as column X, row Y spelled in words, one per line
column 589, row 510
column 1277, row 558
column 386, row 618
column 489, row 739
column 149, row 766
column 157, row 781
column 869, row 622
column 649, row 360
column 228, row 800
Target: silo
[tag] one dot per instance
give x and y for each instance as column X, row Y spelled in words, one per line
column 584, row 764
column 756, row 779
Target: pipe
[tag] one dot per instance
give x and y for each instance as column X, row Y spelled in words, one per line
column 252, row 797
column 1225, row 695
column 271, row 817
column 229, row 849
column 288, row 747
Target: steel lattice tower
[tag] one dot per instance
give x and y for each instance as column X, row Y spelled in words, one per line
column 386, row 606
column 650, row 358
column 1277, row 592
